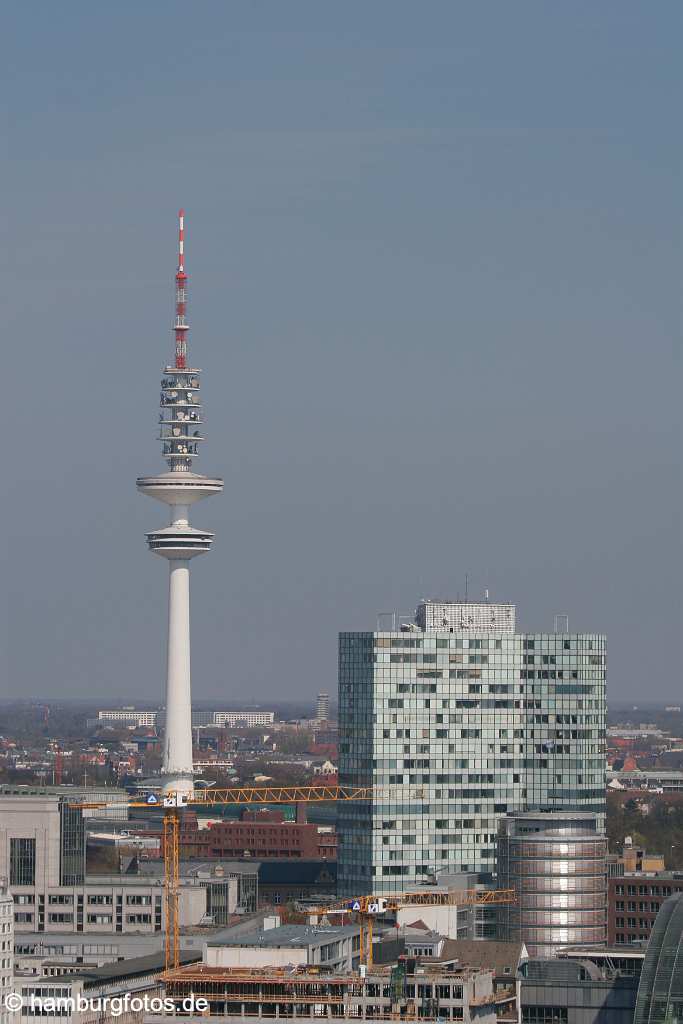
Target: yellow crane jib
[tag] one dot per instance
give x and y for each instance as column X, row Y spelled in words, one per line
column 367, row 907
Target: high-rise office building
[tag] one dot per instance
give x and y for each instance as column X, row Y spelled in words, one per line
column 322, row 707
column 457, row 720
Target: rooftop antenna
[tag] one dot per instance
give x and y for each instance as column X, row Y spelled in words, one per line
column 467, row 583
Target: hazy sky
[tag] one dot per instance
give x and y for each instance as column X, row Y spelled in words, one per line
column 435, row 268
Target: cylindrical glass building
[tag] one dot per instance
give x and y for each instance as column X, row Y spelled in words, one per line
column 660, row 992
column 556, row 863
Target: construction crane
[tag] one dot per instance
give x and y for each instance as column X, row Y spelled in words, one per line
column 172, row 804
column 367, row 908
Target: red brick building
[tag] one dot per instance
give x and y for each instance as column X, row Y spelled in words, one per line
column 633, row 901
column 259, row 834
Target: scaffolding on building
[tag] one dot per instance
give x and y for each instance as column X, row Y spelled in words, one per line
column 306, row 992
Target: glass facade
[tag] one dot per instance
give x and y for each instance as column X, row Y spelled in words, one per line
column 22, row 855
column 660, row 992
column 557, row 865
column 455, row 730
column 72, row 851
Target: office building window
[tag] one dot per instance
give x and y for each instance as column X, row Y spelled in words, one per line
column 22, row 861
column 72, row 853
column 545, row 1015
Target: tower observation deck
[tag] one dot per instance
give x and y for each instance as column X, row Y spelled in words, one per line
column 180, row 433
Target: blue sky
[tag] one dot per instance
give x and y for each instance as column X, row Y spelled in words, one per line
column 434, row 256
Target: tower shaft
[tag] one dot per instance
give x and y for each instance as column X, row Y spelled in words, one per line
column 178, row 733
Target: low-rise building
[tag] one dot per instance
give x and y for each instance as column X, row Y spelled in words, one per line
column 107, row 802
column 654, row 781
column 335, row 947
column 129, row 716
column 408, row 989
column 119, row 991
column 243, row 719
column 633, row 859
column 625, row 961
column 575, row 992
column 633, row 902
column 258, row 833
column 115, row 904
column 505, row 959
column 36, row 949
column 215, row 876
column 42, row 856
column 282, row 882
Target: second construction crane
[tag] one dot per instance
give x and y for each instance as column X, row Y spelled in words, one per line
column 368, row 908
column 365, row 908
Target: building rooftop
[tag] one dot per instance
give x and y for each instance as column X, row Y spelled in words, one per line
column 204, row 870
column 135, row 967
column 502, row 957
column 302, row 872
column 666, row 875
column 563, row 971
column 301, row 974
column 630, row 951
column 75, row 793
column 627, row 773
column 466, row 601
column 296, row 936
column 551, row 815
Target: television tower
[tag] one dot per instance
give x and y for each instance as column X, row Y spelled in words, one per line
column 180, row 435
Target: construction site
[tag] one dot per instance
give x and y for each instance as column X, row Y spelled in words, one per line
column 409, row 990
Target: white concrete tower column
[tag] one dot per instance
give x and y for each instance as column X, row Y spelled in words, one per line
column 178, row 737
column 180, row 434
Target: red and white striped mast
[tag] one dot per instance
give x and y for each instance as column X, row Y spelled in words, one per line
column 181, row 327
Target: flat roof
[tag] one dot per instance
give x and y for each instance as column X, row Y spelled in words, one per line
column 465, row 601
column 627, row 773
column 609, row 952
column 298, row 936
column 133, row 967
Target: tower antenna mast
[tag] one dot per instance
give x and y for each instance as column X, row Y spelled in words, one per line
column 181, row 326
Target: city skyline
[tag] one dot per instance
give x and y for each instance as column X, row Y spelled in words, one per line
column 437, row 297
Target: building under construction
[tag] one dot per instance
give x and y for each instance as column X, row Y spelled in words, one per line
column 409, row 989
